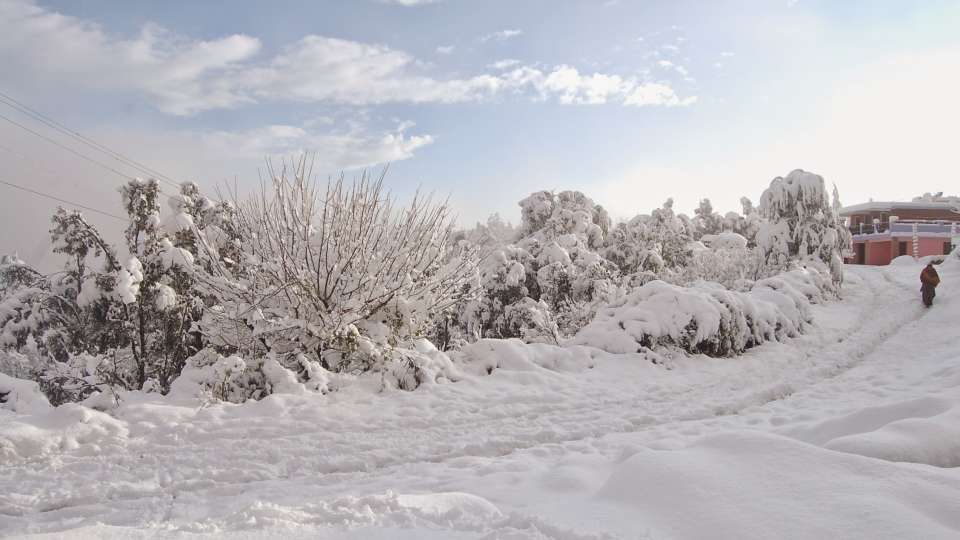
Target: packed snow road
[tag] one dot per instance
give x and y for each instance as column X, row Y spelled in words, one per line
column 850, row 431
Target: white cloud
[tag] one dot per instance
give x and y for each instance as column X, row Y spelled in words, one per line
column 445, row 49
column 569, row 87
column 335, row 150
column 656, row 94
column 667, row 64
column 322, row 69
column 502, row 35
column 506, row 63
column 573, row 88
column 185, row 77
column 726, row 54
column 171, row 69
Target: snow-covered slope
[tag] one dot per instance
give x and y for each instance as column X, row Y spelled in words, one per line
column 849, row 431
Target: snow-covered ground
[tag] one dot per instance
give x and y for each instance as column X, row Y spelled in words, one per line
column 850, row 431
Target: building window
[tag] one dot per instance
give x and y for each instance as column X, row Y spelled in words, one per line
column 947, row 248
column 903, row 248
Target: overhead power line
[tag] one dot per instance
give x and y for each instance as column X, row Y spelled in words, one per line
column 65, row 147
column 58, row 199
column 46, row 170
column 52, row 123
column 20, row 107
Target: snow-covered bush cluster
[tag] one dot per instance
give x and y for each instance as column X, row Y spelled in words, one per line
column 304, row 286
column 238, row 299
column 705, row 317
column 567, row 259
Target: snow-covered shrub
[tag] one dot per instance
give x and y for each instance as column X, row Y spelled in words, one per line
column 79, row 377
column 531, row 320
column 651, row 243
column 21, row 396
column 417, row 365
column 704, row 317
column 507, row 277
column 211, row 376
column 208, row 375
column 746, row 224
column 724, row 259
column 550, row 272
column 548, row 215
column 631, row 248
column 564, row 234
column 16, row 364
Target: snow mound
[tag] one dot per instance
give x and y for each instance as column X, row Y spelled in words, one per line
column 68, row 427
column 445, row 505
column 933, row 441
column 904, row 260
column 21, row 396
column 725, row 240
column 869, row 419
column 487, row 355
column 755, row 485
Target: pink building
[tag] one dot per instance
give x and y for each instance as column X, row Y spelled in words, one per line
column 882, row 231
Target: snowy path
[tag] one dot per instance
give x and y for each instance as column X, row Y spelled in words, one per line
column 542, row 454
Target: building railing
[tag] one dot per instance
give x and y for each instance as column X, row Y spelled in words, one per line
column 906, row 227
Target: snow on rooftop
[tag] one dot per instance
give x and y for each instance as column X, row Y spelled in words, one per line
column 927, row 201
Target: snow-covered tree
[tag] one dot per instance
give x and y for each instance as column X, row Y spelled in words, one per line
column 706, row 221
column 801, row 224
column 631, row 246
column 724, row 259
column 563, row 234
column 340, row 276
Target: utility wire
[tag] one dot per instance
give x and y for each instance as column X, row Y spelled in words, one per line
column 58, row 199
column 49, row 172
column 50, row 122
column 67, row 148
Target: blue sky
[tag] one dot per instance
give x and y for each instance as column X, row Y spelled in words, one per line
column 486, row 101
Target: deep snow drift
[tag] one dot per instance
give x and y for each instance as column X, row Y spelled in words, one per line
column 851, row 430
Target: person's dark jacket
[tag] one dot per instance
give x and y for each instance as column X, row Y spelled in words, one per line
column 929, row 276
column 929, row 279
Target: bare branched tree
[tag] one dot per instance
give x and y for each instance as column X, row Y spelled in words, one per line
column 321, row 264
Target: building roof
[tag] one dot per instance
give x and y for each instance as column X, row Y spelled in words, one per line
column 894, row 205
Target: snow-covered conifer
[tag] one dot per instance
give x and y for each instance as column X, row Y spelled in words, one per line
column 801, row 224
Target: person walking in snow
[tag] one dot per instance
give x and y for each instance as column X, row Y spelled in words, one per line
column 929, row 279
